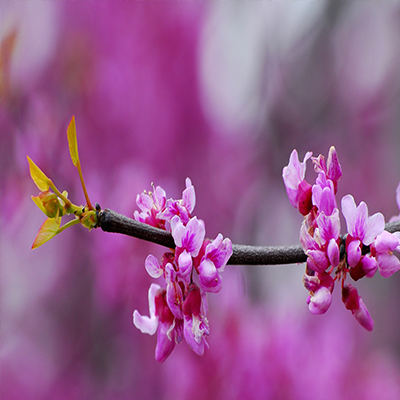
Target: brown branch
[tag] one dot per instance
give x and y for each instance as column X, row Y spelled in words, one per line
column 110, row 221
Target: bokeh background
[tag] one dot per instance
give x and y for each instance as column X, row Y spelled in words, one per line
column 220, row 92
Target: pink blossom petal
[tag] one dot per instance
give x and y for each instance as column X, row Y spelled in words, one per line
column 165, row 342
column 293, row 174
column 195, row 331
column 360, row 219
column 159, row 198
column 388, row 264
column 306, row 240
column 177, row 230
column 333, row 253
column 194, row 237
column 320, row 301
column 219, row 251
column 209, row 278
column 153, row 267
column 329, row 226
column 369, row 265
column 375, row 226
column 363, row 317
column 334, row 170
column 348, row 210
column 319, row 260
column 354, row 253
column 174, row 299
column 144, row 202
column 385, row 242
column 185, row 263
column 148, row 324
column 189, row 196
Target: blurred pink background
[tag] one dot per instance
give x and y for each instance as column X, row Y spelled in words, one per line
column 220, row 92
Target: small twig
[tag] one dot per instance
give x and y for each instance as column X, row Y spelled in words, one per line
column 110, row 221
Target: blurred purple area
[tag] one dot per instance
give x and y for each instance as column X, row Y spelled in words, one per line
column 220, row 92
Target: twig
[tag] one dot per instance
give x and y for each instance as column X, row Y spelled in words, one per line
column 110, row 221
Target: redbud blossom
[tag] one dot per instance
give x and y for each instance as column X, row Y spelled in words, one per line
column 179, row 310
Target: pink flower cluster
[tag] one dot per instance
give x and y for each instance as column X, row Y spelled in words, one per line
column 366, row 248
column 193, row 268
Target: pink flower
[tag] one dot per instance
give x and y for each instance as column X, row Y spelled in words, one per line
column 170, row 329
column 217, row 254
column 355, row 304
column 182, row 208
column 148, row 324
column 298, row 190
column 323, row 194
column 331, row 168
column 179, row 310
column 189, row 237
column 359, row 224
column 189, row 240
column 320, row 301
column 382, row 249
column 151, row 206
column 195, row 328
column 320, row 287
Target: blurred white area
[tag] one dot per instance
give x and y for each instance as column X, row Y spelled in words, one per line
column 367, row 51
column 36, row 25
column 239, row 39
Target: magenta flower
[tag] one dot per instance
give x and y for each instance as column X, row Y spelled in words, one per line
column 298, row 190
column 355, row 304
column 331, row 168
column 170, row 329
column 359, row 224
column 179, row 310
column 320, row 287
column 323, row 194
column 195, row 326
column 151, row 204
column 216, row 255
column 182, row 208
column 320, row 301
column 382, row 249
column 148, row 324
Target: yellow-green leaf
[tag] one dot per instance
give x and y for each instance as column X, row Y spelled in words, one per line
column 72, row 142
column 38, row 202
column 47, row 231
column 38, row 176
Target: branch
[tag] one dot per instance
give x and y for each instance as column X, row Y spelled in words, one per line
column 110, row 221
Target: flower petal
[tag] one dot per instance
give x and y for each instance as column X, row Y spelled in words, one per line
column 320, row 301
column 375, row 226
column 349, row 210
column 388, row 264
column 165, row 344
column 363, row 316
column 153, row 267
column 353, row 252
column 189, row 196
column 185, row 263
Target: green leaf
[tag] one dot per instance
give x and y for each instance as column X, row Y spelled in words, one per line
column 38, row 176
column 48, row 230
column 72, row 142
column 38, row 202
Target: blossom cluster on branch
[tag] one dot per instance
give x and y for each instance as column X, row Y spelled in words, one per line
column 365, row 249
column 193, row 264
column 178, row 311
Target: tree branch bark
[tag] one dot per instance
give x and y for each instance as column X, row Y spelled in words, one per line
column 110, row 221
